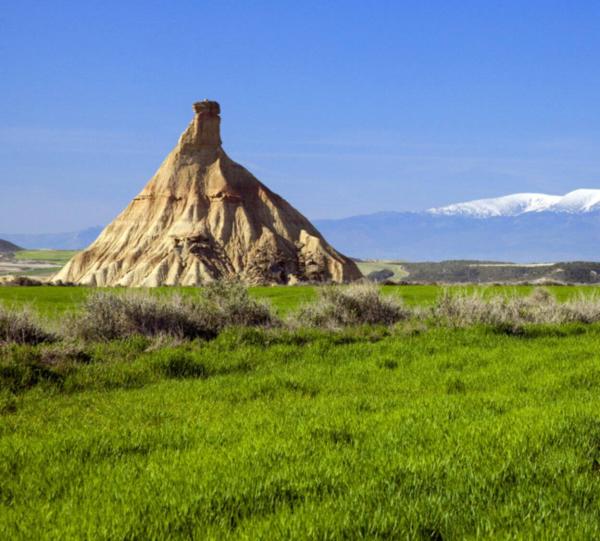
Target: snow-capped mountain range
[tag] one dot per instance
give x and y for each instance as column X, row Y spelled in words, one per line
column 524, row 227
column 578, row 201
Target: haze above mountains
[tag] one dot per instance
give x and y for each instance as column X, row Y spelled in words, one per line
column 523, row 227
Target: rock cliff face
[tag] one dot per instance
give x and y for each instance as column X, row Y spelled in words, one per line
column 203, row 217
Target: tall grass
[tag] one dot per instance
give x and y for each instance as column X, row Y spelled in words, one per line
column 375, row 426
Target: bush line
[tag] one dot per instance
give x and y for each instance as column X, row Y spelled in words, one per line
column 107, row 316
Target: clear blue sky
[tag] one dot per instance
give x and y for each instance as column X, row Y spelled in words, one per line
column 342, row 107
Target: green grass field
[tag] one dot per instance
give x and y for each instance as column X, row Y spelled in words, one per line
column 39, row 264
column 410, row 432
column 441, row 434
column 52, row 301
column 60, row 257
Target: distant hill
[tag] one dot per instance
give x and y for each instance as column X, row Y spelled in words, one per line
column 575, row 272
column 8, row 247
column 75, row 240
column 519, row 228
column 539, row 237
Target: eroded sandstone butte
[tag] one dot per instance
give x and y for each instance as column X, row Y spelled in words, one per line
column 203, row 217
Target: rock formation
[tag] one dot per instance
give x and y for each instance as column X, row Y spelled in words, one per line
column 203, row 217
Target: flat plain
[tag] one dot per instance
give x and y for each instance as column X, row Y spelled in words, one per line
column 53, row 301
column 411, row 431
column 34, row 263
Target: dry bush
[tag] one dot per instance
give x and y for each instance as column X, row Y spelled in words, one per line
column 228, row 303
column 582, row 309
column 21, row 327
column 541, row 307
column 110, row 316
column 464, row 309
column 355, row 304
column 19, row 281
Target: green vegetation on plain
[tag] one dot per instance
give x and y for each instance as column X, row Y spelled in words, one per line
column 60, row 257
column 437, row 433
column 51, row 301
column 39, row 264
column 415, row 430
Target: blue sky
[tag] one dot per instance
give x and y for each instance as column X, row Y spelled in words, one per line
column 342, row 107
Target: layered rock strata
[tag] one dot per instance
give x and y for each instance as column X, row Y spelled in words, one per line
column 203, row 217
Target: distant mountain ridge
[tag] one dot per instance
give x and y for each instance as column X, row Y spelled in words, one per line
column 7, row 247
column 518, row 227
column 75, row 240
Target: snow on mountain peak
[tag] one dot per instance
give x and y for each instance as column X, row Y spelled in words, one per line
column 576, row 202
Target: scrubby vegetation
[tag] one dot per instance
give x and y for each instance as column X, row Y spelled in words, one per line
column 112, row 315
column 52, row 302
column 229, row 304
column 21, row 327
column 356, row 304
column 475, row 415
column 109, row 316
column 512, row 311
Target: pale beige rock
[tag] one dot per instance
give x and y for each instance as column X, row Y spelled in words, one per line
column 203, row 217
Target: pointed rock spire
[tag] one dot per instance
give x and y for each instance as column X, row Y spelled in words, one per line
column 204, row 217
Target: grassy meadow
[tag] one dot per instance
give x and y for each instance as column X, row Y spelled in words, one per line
column 59, row 257
column 53, row 301
column 37, row 264
column 415, row 430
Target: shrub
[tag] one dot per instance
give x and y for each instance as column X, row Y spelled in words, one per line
column 510, row 313
column 110, row 316
column 581, row 309
column 20, row 327
column 355, row 304
column 20, row 281
column 502, row 311
column 228, row 303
